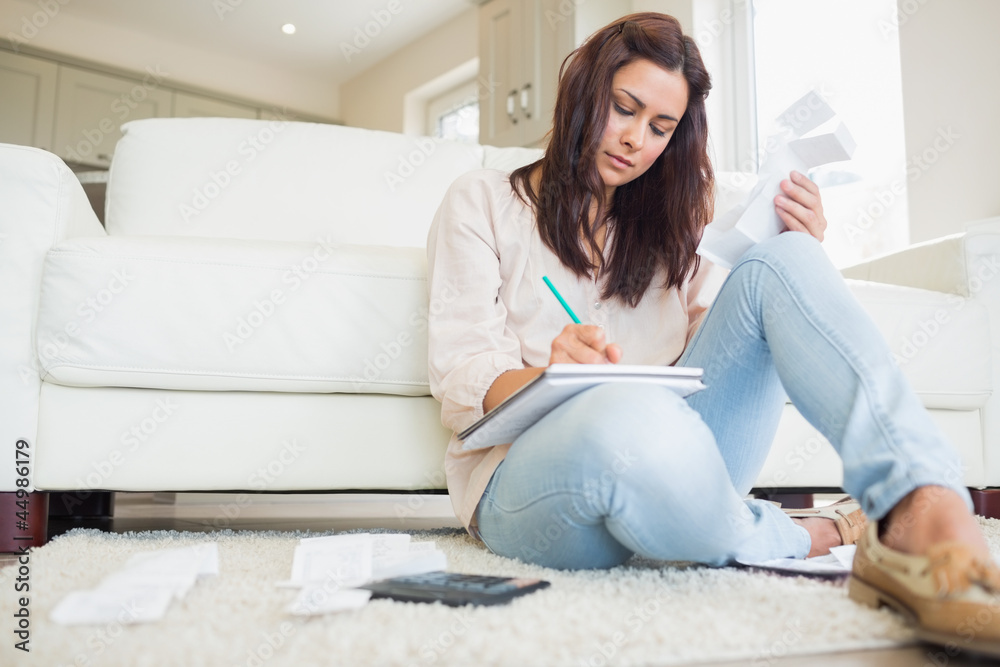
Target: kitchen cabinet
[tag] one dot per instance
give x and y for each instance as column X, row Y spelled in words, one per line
column 91, row 107
column 187, row 105
column 521, row 45
column 27, row 104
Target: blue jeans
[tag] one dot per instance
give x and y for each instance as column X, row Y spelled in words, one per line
column 627, row 468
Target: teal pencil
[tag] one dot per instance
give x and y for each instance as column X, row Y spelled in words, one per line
column 561, row 300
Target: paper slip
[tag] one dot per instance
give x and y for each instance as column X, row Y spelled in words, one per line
column 345, row 560
column 317, row 599
column 735, row 231
column 355, row 559
column 416, row 562
column 142, row 591
column 328, row 568
column 114, row 604
column 835, row 564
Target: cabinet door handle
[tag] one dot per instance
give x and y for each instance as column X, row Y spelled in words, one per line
column 526, row 100
column 511, row 107
column 104, row 157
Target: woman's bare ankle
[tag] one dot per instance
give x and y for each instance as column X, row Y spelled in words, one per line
column 929, row 515
column 822, row 533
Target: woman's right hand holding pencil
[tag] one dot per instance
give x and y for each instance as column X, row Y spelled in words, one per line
column 583, row 344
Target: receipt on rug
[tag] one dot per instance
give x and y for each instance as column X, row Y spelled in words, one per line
column 735, row 231
column 142, row 591
column 837, row 563
column 355, row 559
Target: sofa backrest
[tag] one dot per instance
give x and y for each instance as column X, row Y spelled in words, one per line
column 292, row 181
column 284, row 180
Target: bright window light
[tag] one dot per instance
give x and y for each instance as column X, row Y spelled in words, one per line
column 850, row 51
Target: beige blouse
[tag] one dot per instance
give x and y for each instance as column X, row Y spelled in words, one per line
column 490, row 312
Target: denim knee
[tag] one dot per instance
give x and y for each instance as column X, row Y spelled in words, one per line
column 786, row 249
column 621, row 428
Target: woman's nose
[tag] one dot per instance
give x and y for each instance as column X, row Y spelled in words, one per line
column 632, row 137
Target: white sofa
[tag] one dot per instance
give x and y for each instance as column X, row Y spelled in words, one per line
column 252, row 316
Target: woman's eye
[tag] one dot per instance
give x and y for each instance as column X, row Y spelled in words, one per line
column 622, row 110
column 657, row 131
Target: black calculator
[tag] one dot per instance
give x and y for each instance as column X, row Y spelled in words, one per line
column 454, row 589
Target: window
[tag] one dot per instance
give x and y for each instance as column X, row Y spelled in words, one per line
column 849, row 50
column 454, row 114
column 766, row 54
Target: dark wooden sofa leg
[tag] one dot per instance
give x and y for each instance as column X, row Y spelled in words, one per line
column 82, row 504
column 789, row 500
column 24, row 521
column 986, row 502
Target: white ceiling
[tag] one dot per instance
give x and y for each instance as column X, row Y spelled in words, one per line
column 251, row 29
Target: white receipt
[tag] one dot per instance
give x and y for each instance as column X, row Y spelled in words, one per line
column 328, row 569
column 837, row 562
column 737, row 230
column 142, row 590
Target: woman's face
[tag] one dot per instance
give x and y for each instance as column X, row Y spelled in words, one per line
column 647, row 103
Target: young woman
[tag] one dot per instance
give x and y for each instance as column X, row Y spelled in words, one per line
column 612, row 214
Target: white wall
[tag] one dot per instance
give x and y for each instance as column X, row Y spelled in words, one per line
column 375, row 98
column 951, row 103
column 123, row 49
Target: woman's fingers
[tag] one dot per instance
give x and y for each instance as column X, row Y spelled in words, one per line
column 582, row 344
column 800, row 206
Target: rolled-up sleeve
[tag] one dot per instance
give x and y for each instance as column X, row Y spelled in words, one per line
column 470, row 343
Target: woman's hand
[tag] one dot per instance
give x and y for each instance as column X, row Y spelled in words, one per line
column 800, row 207
column 583, row 344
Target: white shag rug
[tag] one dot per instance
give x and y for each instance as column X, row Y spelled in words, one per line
column 643, row 613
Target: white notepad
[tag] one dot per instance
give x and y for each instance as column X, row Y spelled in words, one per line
column 560, row 382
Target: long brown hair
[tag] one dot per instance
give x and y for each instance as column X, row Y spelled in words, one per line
column 657, row 218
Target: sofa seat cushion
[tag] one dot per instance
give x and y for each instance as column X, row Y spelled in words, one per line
column 228, row 314
column 940, row 341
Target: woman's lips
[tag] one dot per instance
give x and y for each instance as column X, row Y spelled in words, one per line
column 619, row 161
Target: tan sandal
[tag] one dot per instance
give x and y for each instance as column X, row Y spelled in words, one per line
column 845, row 513
column 952, row 597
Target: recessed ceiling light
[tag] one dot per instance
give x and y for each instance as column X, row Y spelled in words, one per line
column 288, row 29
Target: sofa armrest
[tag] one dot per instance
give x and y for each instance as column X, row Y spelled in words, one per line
column 966, row 264
column 41, row 203
column 956, row 264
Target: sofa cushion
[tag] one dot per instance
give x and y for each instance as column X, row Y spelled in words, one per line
column 940, row 341
column 290, row 181
column 213, row 314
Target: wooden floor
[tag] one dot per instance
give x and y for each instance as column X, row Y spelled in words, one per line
column 207, row 512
